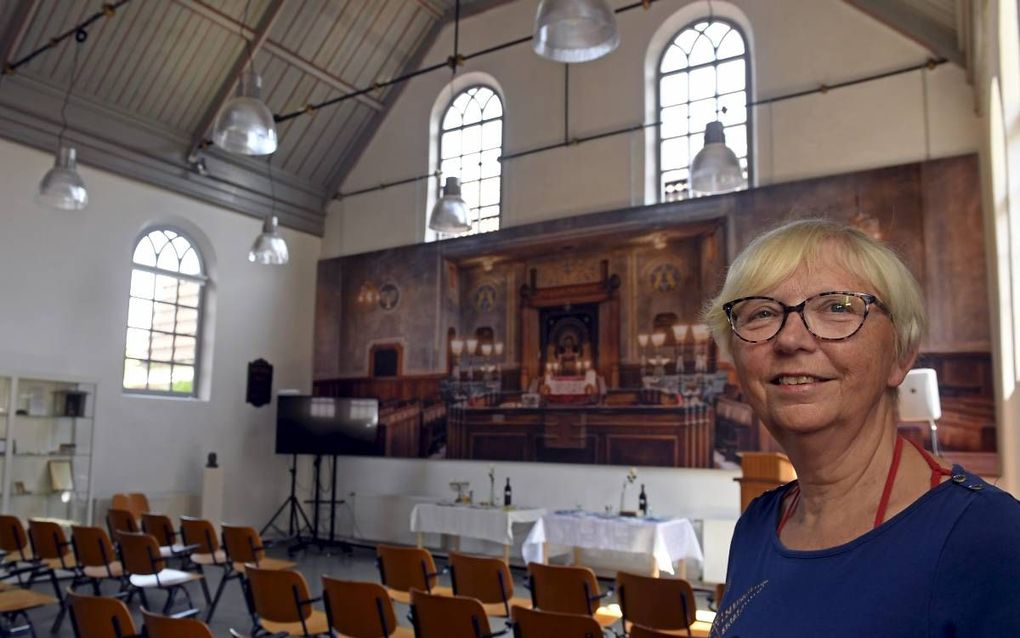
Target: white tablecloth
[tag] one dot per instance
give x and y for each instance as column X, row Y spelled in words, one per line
column 666, row 540
column 487, row 523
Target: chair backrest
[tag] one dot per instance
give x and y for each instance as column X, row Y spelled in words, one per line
column 275, row 594
column 120, row 520
column 139, row 503
column 158, row 626
column 483, row 577
column 640, row 631
column 159, row 526
column 243, row 544
column 139, row 553
column 48, row 540
column 358, row 609
column 200, row 532
column 662, row 603
column 531, row 623
column 13, row 539
column 120, row 501
column 406, row 568
column 566, row 589
column 100, row 617
column 447, row 616
column 92, row 546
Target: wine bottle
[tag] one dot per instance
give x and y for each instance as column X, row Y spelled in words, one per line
column 643, row 501
column 507, row 494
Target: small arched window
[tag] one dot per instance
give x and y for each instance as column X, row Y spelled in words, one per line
column 470, row 143
column 704, row 75
column 164, row 327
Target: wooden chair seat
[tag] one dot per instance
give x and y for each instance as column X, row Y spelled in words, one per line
column 269, row 563
column 217, row 557
column 171, row 551
column 25, row 555
column 19, row 599
column 700, row 629
column 67, row 562
column 608, row 614
column 115, row 569
column 167, row 578
column 316, row 624
column 404, row 597
column 401, row 632
column 499, row 611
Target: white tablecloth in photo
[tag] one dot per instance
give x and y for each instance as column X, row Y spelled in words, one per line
column 666, row 540
column 486, row 523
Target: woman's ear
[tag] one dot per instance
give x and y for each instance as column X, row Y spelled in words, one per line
column 900, row 369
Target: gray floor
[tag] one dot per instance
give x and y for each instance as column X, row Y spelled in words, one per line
column 231, row 613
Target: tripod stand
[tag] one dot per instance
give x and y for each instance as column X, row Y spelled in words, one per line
column 294, row 527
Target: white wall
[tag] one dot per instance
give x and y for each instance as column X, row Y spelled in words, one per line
column 64, row 294
column 797, row 45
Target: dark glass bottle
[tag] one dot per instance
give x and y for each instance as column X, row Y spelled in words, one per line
column 507, row 494
column 642, row 502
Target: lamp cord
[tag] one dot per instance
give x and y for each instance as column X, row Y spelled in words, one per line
column 79, row 39
column 247, row 42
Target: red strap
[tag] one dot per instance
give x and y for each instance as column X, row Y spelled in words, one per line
column 794, row 499
column 937, row 471
column 890, row 478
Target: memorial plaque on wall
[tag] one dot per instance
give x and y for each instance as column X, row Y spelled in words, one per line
column 260, row 382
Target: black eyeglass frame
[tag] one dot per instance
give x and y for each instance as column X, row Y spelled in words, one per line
column 868, row 299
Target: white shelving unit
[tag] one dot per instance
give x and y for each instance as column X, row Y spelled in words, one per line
column 46, row 433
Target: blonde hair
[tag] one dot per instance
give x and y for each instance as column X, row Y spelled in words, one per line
column 774, row 256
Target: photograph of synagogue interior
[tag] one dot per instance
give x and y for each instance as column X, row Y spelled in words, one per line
column 385, row 317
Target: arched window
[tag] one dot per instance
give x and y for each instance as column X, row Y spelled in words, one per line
column 164, row 327
column 470, row 143
column 704, row 75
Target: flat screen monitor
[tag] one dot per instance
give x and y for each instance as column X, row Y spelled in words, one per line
column 326, row 425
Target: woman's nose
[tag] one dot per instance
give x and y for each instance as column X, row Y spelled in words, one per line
column 794, row 334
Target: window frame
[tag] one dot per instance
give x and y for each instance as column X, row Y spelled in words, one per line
column 659, row 75
column 203, row 282
column 432, row 235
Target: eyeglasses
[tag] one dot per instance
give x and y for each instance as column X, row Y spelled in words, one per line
column 830, row 316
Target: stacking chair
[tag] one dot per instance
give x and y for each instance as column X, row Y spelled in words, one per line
column 360, row 610
column 96, row 557
column 402, row 569
column 435, row 616
column 243, row 545
column 658, row 603
column 160, row 527
column 486, row 578
column 530, row 623
column 201, row 535
column 139, row 504
column 13, row 540
column 715, row 600
column 282, row 604
column 100, row 617
column 139, row 554
column 50, row 546
column 158, row 626
column 569, row 590
column 119, row 520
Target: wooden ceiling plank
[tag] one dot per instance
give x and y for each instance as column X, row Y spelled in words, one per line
column 17, row 28
column 226, row 90
column 920, row 28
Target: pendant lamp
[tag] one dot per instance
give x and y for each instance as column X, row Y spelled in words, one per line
column 574, row 30
column 245, row 125
column 269, row 247
column 450, row 214
column 62, row 186
column 715, row 168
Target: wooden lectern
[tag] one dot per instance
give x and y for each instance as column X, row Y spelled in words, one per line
column 763, row 471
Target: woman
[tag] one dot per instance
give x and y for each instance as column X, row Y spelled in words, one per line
column 876, row 537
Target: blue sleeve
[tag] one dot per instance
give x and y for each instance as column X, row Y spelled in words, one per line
column 977, row 579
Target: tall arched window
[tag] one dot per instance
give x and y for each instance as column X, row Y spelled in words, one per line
column 704, row 75
column 164, row 325
column 470, row 143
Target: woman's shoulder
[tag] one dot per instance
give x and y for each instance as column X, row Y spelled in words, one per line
column 763, row 509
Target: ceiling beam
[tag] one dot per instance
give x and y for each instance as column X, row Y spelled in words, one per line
column 16, row 29
column 937, row 38
column 278, row 50
column 473, row 8
column 226, row 90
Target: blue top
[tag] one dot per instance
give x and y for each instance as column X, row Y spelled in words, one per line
column 947, row 566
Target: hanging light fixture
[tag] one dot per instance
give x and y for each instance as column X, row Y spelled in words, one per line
column 715, row 168
column 62, row 187
column 450, row 214
column 270, row 248
column 574, row 30
column 245, row 125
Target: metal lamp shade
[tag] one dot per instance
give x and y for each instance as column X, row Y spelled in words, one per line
column 715, row 169
column 62, row 186
column 245, row 125
column 450, row 214
column 269, row 248
column 574, row 30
